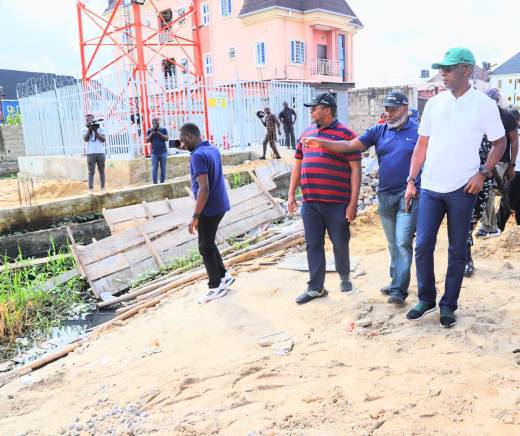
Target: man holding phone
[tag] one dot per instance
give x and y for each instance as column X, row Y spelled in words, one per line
column 394, row 141
column 158, row 137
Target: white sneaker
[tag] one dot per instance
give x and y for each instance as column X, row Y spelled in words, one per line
column 227, row 280
column 492, row 234
column 91, row 192
column 212, row 294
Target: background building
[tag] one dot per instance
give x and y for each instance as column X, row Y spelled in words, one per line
column 506, row 78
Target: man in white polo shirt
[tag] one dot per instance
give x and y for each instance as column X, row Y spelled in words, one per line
column 451, row 129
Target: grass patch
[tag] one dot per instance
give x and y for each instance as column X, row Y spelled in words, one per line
column 26, row 308
column 179, row 265
column 187, row 263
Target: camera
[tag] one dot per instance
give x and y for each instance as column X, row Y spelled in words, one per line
column 260, row 114
column 94, row 124
column 174, row 143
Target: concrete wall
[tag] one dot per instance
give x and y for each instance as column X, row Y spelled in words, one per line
column 366, row 105
column 12, row 146
column 41, row 242
column 31, row 218
column 125, row 172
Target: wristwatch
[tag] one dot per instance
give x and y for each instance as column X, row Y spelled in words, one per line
column 410, row 179
column 196, row 215
column 485, row 172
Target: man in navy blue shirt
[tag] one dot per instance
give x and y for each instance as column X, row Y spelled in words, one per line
column 158, row 136
column 394, row 141
column 212, row 202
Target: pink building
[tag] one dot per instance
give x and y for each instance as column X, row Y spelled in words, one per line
column 294, row 40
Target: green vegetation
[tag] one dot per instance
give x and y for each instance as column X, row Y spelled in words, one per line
column 26, row 307
column 187, row 263
column 236, row 180
column 179, row 265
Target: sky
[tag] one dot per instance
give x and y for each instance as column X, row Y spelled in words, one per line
column 399, row 38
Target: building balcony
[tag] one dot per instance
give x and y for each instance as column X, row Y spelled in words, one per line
column 326, row 67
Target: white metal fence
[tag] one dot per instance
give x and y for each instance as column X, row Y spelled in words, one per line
column 53, row 113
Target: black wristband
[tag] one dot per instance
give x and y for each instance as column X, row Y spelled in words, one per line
column 196, row 215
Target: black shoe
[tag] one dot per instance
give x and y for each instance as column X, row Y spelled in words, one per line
column 397, row 300
column 469, row 269
column 306, row 297
column 447, row 319
column 262, row 158
column 481, row 233
column 420, row 311
column 386, row 290
column 346, row 285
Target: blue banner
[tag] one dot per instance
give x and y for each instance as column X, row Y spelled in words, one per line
column 10, row 112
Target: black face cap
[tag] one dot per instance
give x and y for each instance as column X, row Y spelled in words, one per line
column 395, row 99
column 324, row 99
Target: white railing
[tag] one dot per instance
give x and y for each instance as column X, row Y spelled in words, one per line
column 326, row 67
column 53, row 115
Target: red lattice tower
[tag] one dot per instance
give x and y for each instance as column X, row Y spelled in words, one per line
column 95, row 58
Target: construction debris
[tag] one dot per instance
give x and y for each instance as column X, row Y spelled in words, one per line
column 156, row 233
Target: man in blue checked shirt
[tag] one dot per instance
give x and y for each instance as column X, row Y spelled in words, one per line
column 394, row 141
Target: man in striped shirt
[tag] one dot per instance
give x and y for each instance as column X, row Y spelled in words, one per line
column 330, row 183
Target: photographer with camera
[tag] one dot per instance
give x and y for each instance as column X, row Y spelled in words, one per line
column 94, row 137
column 272, row 124
column 158, row 136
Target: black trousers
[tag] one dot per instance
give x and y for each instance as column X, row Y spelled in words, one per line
column 207, row 229
column 290, row 139
column 511, row 203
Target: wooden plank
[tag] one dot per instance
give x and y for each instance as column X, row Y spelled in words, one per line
column 115, row 261
column 147, row 210
column 54, row 282
column 266, row 193
column 151, row 247
column 121, row 279
column 130, row 238
column 109, row 224
column 125, row 217
column 75, row 253
column 100, row 269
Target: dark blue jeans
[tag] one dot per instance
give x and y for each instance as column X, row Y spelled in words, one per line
column 317, row 218
column 156, row 160
column 458, row 206
column 399, row 227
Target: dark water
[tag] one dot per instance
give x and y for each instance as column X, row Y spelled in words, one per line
column 67, row 332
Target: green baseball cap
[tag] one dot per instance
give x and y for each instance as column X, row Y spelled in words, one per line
column 455, row 56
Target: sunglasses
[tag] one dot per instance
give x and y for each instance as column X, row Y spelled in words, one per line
column 449, row 68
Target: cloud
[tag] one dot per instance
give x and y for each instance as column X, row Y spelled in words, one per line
column 402, row 37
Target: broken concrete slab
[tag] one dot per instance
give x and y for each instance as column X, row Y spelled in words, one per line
column 298, row 262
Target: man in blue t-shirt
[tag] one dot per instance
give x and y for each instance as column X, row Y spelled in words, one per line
column 212, row 202
column 158, row 136
column 394, row 141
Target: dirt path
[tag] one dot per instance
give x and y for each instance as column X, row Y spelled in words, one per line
column 196, row 370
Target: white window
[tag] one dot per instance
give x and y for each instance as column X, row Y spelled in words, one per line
column 260, row 53
column 208, row 65
column 297, row 52
column 204, row 13
column 225, row 7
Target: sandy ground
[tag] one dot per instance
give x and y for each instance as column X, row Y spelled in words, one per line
column 187, row 369
column 44, row 191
